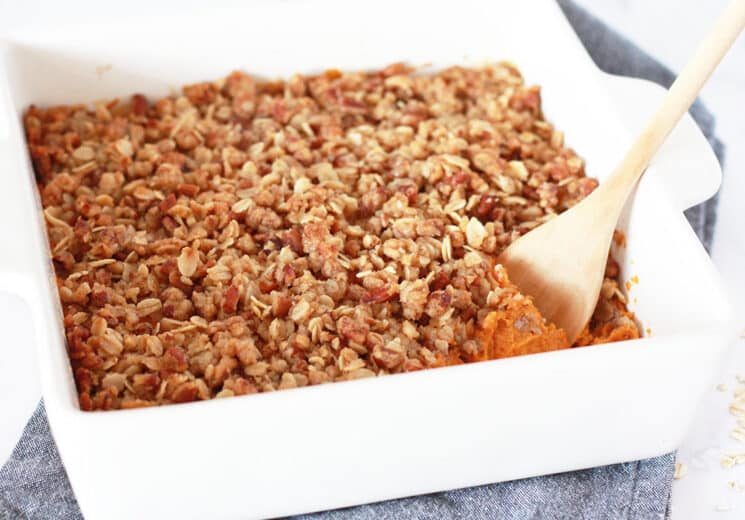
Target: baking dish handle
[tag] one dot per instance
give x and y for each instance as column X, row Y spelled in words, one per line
column 19, row 254
column 685, row 164
column 21, row 274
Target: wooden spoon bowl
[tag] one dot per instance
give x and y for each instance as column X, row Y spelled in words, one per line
column 561, row 263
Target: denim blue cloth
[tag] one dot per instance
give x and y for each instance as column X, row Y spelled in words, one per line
column 34, row 486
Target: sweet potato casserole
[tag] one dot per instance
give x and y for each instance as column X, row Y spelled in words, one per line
column 246, row 236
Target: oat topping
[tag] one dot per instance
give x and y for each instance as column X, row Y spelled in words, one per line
column 248, row 236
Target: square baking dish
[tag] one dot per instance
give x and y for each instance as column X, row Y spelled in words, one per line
column 349, row 443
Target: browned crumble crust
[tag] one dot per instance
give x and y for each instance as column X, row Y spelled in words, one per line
column 249, row 236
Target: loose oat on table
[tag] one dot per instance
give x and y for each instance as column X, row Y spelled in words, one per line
column 732, row 459
column 248, row 236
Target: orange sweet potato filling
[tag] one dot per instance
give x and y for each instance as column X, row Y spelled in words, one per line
column 620, row 329
column 518, row 328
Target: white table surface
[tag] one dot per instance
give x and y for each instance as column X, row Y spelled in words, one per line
column 668, row 29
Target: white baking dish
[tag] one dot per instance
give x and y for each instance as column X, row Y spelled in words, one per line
column 349, row 443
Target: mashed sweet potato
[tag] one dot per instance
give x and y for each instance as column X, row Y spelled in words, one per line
column 516, row 327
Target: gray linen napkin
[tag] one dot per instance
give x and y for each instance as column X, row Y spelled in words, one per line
column 33, row 483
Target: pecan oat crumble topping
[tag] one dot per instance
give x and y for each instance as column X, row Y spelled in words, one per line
column 248, row 236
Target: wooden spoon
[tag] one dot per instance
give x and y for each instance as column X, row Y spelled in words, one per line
column 561, row 263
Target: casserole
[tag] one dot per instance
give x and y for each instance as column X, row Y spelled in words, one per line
column 338, row 445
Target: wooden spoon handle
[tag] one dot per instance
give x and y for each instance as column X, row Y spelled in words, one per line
column 680, row 97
